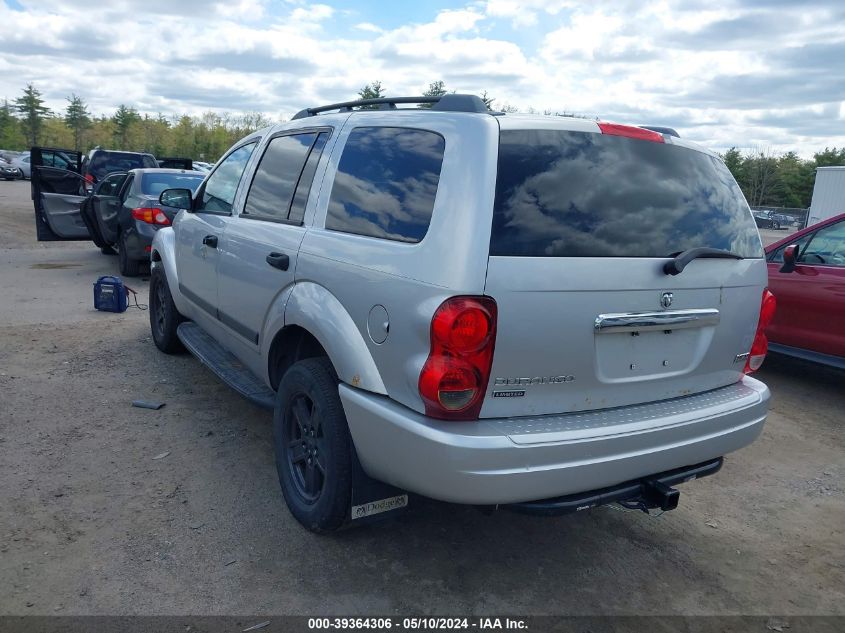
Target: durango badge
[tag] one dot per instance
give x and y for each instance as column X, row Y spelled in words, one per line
column 537, row 380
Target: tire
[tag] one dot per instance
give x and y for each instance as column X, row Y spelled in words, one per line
column 128, row 267
column 312, row 445
column 776, row 226
column 164, row 317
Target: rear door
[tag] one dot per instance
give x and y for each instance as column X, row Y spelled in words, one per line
column 583, row 225
column 811, row 299
column 58, row 193
column 105, row 205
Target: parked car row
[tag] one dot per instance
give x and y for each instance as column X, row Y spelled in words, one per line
column 773, row 220
column 109, row 197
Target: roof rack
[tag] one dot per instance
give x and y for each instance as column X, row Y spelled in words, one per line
column 661, row 130
column 447, row 103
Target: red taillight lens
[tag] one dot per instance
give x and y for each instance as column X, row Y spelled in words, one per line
column 760, row 345
column 461, row 324
column 151, row 216
column 89, row 179
column 631, row 131
column 455, row 375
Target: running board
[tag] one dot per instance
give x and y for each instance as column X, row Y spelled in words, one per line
column 223, row 363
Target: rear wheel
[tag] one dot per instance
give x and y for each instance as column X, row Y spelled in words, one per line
column 164, row 317
column 128, row 267
column 312, row 445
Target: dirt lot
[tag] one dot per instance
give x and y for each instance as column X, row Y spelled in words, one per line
column 108, row 509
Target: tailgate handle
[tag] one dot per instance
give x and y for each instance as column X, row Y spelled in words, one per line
column 643, row 321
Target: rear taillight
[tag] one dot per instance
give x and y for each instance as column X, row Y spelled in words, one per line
column 761, row 344
column 151, row 216
column 89, row 179
column 455, row 375
column 631, row 131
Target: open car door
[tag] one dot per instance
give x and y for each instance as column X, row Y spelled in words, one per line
column 176, row 163
column 58, row 193
column 104, row 207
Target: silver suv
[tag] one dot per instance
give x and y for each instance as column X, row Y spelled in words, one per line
column 547, row 313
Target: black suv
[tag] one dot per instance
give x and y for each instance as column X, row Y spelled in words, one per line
column 101, row 162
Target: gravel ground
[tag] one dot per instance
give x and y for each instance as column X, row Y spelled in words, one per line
column 108, row 509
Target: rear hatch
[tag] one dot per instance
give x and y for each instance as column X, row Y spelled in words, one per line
column 583, row 225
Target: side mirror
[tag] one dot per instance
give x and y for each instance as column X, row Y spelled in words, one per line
column 177, row 198
column 790, row 258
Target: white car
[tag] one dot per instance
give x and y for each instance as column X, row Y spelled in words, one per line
column 22, row 163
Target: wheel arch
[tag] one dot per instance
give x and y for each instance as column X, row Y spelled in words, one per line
column 163, row 254
column 317, row 324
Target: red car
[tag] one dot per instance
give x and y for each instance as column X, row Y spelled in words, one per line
column 808, row 282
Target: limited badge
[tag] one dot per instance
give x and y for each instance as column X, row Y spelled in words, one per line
column 508, row 394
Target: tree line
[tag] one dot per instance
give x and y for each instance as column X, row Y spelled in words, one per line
column 779, row 180
column 766, row 178
column 27, row 121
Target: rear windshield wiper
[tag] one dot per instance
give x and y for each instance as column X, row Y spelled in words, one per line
column 681, row 259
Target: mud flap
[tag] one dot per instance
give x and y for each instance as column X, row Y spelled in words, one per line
column 373, row 500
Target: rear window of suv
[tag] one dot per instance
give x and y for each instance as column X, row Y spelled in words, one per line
column 581, row 194
column 386, row 183
column 106, row 162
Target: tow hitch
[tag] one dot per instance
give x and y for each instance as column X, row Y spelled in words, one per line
column 656, row 494
column 650, row 493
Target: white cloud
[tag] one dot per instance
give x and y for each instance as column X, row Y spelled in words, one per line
column 741, row 73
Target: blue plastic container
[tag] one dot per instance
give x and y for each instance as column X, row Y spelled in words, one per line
column 110, row 294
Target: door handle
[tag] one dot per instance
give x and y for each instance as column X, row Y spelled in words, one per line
column 210, row 240
column 278, row 260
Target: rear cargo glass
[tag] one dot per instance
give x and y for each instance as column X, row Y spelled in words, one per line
column 107, row 162
column 581, row 194
column 153, row 183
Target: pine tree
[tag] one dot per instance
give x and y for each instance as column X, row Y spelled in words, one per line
column 123, row 120
column 33, row 112
column 435, row 89
column 372, row 91
column 77, row 118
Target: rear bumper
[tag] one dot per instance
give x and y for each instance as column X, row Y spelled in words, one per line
column 139, row 240
column 513, row 460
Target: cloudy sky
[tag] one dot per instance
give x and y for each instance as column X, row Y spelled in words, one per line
column 746, row 73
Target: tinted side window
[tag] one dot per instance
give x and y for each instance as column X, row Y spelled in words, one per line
column 110, row 186
column 220, row 188
column 303, row 189
column 276, row 177
column 581, row 194
column 386, row 183
column 127, row 187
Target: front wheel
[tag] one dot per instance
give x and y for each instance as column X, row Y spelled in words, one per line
column 312, row 445
column 164, row 317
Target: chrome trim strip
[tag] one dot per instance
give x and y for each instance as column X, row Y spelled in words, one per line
column 644, row 321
